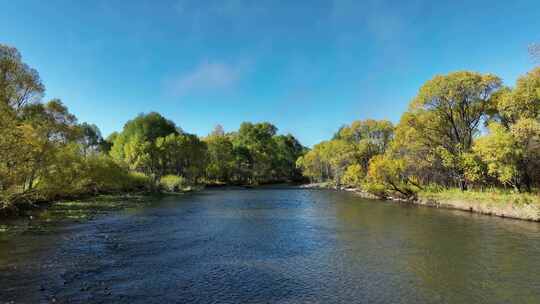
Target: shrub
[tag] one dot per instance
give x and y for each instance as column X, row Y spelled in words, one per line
column 353, row 176
column 172, row 183
column 138, row 181
column 389, row 177
column 73, row 174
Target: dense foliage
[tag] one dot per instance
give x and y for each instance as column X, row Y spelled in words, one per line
column 345, row 158
column 462, row 130
column 45, row 153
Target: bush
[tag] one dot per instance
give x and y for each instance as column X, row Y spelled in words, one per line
column 73, row 174
column 138, row 181
column 172, row 183
column 388, row 177
column 353, row 176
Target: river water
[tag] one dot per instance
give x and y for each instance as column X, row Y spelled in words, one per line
column 275, row 245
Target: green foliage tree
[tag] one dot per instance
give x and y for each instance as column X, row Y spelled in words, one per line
column 144, row 128
column 500, row 151
column 182, row 154
column 390, row 176
column 370, row 137
column 348, row 153
column 511, row 149
column 90, row 138
column 354, row 176
column 136, row 144
column 12, row 150
column 257, row 139
column 287, row 150
column 46, row 129
column 446, row 115
column 19, row 84
column 221, row 157
column 44, row 149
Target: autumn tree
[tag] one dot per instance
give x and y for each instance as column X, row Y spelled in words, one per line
column 511, row 149
column 446, row 115
column 370, row 137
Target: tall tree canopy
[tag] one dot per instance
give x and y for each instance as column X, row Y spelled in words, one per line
column 144, row 128
column 446, row 116
column 19, row 84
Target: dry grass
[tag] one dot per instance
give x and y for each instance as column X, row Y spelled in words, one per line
column 494, row 202
column 489, row 196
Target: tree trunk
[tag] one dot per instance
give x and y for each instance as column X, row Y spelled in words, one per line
column 462, row 184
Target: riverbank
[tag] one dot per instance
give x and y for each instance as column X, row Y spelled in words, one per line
column 521, row 206
column 74, row 207
column 25, row 204
column 31, row 204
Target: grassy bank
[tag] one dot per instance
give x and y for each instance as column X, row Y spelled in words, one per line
column 497, row 202
column 525, row 206
column 22, row 204
column 47, row 217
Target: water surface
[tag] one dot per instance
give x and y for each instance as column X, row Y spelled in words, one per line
column 273, row 246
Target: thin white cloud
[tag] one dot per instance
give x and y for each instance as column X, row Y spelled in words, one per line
column 382, row 19
column 207, row 77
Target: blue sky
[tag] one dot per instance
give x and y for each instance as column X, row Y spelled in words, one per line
column 306, row 66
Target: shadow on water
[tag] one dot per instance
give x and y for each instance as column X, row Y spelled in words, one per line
column 269, row 245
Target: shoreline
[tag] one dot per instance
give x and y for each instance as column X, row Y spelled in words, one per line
column 523, row 212
column 27, row 208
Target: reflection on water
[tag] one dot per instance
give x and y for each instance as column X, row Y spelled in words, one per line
column 273, row 246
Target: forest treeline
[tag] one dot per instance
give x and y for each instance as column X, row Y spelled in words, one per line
column 464, row 130
column 46, row 154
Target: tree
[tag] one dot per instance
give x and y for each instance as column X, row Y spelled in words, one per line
column 371, row 137
column 354, row 176
column 257, row 139
column 511, row 148
column 183, row 155
column 13, row 153
column 243, row 168
column 313, row 166
column 446, row 115
column 524, row 100
column 218, row 131
column 500, row 151
column 19, row 84
column 90, row 138
column 141, row 133
column 388, row 176
column 221, row 158
column 107, row 143
column 512, row 156
column 348, row 153
column 328, row 160
column 288, row 150
column 46, row 129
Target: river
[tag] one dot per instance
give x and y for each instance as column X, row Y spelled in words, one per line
column 275, row 245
